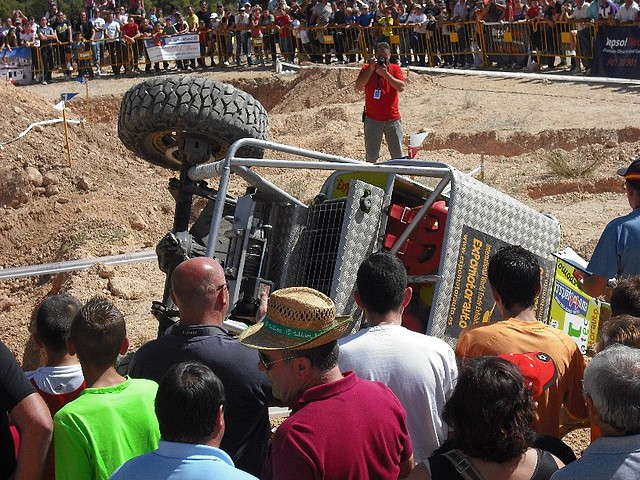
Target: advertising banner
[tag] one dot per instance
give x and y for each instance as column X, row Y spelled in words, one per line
column 15, row 65
column 472, row 301
column 179, row 47
column 573, row 311
column 617, row 52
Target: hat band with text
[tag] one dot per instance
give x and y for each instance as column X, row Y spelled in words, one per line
column 293, row 332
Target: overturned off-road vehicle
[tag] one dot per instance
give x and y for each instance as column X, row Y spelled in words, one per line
column 442, row 223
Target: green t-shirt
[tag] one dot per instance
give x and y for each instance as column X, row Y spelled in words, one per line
column 103, row 428
column 169, row 30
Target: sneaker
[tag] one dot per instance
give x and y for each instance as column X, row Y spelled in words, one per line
column 226, row 64
column 572, row 53
column 69, row 67
column 575, row 70
column 44, row 82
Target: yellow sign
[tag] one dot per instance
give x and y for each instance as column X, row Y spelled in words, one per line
column 341, row 185
column 327, row 39
column 573, row 311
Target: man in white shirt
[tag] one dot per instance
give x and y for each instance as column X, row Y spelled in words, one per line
column 98, row 45
column 583, row 33
column 243, row 34
column 628, row 12
column 115, row 46
column 420, row 370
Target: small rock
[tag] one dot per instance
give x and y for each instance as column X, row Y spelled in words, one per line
column 18, row 157
column 5, row 303
column 39, row 191
column 34, row 175
column 16, row 188
column 138, row 223
column 17, row 109
column 610, row 144
column 83, row 183
column 38, row 129
column 105, row 271
column 63, row 200
column 49, row 178
column 51, row 190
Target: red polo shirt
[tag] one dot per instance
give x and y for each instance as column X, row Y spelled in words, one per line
column 387, row 106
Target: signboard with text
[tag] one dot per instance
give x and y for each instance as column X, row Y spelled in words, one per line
column 472, row 301
column 179, row 47
column 617, row 52
column 573, row 311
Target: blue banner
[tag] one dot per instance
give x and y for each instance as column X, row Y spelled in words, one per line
column 617, row 52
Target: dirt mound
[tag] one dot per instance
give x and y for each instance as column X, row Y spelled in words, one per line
column 512, row 144
column 97, row 109
column 107, row 202
column 319, row 87
column 19, row 109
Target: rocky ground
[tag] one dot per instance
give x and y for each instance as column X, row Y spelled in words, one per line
column 553, row 145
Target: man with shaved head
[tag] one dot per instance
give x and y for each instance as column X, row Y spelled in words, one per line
column 199, row 290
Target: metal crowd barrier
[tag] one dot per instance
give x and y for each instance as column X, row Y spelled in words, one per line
column 513, row 44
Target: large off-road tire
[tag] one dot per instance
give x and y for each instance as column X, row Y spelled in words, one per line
column 156, row 113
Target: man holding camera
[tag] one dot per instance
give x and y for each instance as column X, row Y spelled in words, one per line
column 381, row 82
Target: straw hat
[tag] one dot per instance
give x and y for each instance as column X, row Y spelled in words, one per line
column 297, row 318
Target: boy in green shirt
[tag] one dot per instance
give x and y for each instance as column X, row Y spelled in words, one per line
column 113, row 420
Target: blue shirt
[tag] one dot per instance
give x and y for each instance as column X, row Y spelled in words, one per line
column 617, row 253
column 365, row 19
column 613, row 458
column 181, row 461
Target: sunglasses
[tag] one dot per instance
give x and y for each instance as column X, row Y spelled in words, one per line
column 266, row 363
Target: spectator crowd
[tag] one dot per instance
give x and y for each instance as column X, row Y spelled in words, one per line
column 385, row 402
column 437, row 33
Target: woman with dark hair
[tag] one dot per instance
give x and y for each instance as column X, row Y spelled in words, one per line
column 491, row 412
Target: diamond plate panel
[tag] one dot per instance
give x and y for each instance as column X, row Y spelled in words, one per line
column 358, row 237
column 483, row 208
